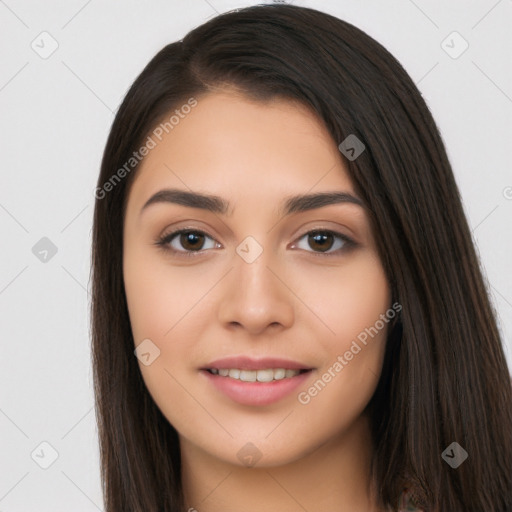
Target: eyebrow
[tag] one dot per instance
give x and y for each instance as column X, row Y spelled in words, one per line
column 216, row 204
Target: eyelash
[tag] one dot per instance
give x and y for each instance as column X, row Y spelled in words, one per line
column 163, row 242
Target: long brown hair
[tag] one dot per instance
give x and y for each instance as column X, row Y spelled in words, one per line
column 445, row 378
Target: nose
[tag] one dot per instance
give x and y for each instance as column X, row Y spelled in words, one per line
column 256, row 296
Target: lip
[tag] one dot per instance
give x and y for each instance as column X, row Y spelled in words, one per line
column 249, row 363
column 255, row 393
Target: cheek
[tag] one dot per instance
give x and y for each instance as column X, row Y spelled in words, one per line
column 158, row 296
column 149, row 298
column 347, row 299
column 160, row 305
column 168, row 306
column 352, row 306
column 365, row 296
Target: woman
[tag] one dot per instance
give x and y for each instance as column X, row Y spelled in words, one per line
column 288, row 310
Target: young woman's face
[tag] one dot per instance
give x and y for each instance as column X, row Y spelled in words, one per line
column 260, row 279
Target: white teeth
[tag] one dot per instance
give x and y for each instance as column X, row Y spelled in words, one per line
column 248, row 375
column 255, row 375
column 279, row 374
column 265, row 375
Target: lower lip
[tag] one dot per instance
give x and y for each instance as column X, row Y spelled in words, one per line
column 256, row 393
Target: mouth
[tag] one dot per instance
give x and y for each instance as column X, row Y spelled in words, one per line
column 254, row 381
column 255, row 388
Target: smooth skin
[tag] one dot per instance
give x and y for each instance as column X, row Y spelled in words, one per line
column 294, row 301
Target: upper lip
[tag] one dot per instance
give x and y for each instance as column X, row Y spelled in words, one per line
column 249, row 363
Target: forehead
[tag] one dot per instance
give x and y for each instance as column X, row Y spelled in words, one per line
column 228, row 141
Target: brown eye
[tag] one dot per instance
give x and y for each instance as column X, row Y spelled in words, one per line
column 185, row 241
column 191, row 240
column 321, row 240
column 326, row 242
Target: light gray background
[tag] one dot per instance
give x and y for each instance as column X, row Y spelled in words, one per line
column 55, row 117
